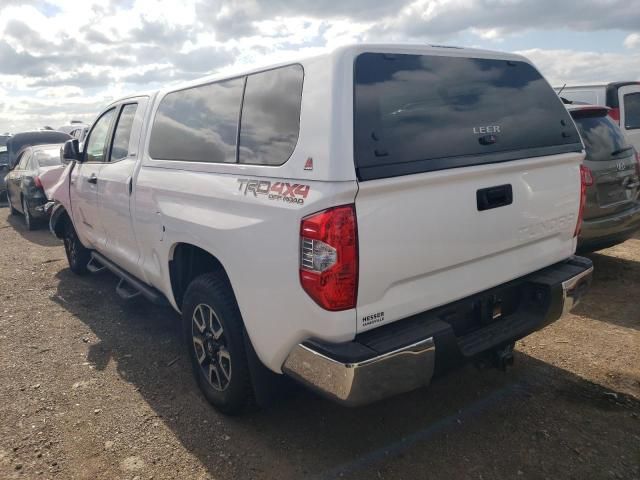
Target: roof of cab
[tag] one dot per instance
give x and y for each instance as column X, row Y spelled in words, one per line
column 334, row 55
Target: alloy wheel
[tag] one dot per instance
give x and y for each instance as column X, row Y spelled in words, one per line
column 70, row 245
column 210, row 347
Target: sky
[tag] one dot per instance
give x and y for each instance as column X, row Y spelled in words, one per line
column 63, row 60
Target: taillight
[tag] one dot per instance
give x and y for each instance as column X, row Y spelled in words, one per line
column 329, row 257
column 614, row 113
column 586, row 180
column 37, row 181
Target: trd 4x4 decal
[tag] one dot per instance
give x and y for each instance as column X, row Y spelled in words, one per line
column 283, row 191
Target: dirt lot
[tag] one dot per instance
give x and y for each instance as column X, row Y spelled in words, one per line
column 94, row 387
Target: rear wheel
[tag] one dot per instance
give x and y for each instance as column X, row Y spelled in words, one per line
column 78, row 255
column 28, row 219
column 214, row 338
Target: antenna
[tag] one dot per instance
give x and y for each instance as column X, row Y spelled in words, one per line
column 560, row 91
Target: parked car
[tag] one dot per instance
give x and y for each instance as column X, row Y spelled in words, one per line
column 76, row 129
column 4, row 168
column 357, row 220
column 612, row 210
column 25, row 192
column 622, row 98
column 40, row 137
column 80, row 133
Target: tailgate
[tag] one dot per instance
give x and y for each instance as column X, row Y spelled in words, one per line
column 425, row 243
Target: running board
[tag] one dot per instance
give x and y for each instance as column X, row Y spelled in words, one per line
column 129, row 287
column 94, row 267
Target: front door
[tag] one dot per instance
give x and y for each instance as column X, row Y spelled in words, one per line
column 84, row 183
column 629, row 98
column 116, row 184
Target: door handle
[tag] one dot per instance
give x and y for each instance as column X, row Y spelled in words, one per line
column 93, row 179
column 494, row 197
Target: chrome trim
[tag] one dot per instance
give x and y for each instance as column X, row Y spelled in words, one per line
column 574, row 289
column 48, row 206
column 367, row 381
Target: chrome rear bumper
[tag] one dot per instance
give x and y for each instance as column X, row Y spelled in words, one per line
column 574, row 289
column 401, row 356
column 367, row 381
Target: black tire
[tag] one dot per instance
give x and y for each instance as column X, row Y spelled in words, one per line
column 29, row 222
column 12, row 210
column 217, row 351
column 78, row 255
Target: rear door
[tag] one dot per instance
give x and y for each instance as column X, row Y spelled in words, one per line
column 629, row 98
column 612, row 162
column 84, row 183
column 14, row 180
column 115, row 187
column 469, row 178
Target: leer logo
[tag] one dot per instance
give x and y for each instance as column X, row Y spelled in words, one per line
column 283, row 191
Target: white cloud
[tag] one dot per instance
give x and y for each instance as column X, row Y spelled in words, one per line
column 493, row 34
column 573, row 67
column 632, row 41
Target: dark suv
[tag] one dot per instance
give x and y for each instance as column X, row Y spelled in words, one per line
column 612, row 211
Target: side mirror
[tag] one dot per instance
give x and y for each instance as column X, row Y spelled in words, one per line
column 70, row 152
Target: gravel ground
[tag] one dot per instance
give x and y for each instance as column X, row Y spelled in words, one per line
column 94, row 387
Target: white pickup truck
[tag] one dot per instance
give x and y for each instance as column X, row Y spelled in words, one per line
column 359, row 220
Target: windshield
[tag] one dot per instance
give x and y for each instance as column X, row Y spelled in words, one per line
column 47, row 158
column 419, row 113
column 602, row 137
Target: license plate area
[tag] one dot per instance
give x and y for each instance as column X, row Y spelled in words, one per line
column 484, row 309
column 610, row 194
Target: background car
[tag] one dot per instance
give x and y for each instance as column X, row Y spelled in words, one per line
column 622, row 98
column 612, row 210
column 4, row 168
column 25, row 192
column 41, row 137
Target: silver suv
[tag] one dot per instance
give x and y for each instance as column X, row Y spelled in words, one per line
column 612, row 210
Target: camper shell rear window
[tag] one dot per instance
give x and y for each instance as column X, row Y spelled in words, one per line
column 421, row 113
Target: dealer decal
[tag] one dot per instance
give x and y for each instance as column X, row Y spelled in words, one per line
column 373, row 319
column 279, row 191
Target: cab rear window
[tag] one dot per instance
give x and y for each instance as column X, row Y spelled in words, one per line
column 420, row 113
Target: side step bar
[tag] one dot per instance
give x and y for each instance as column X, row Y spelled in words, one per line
column 129, row 286
column 94, row 267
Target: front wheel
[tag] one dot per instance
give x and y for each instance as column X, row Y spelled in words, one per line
column 78, row 255
column 214, row 338
column 12, row 210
